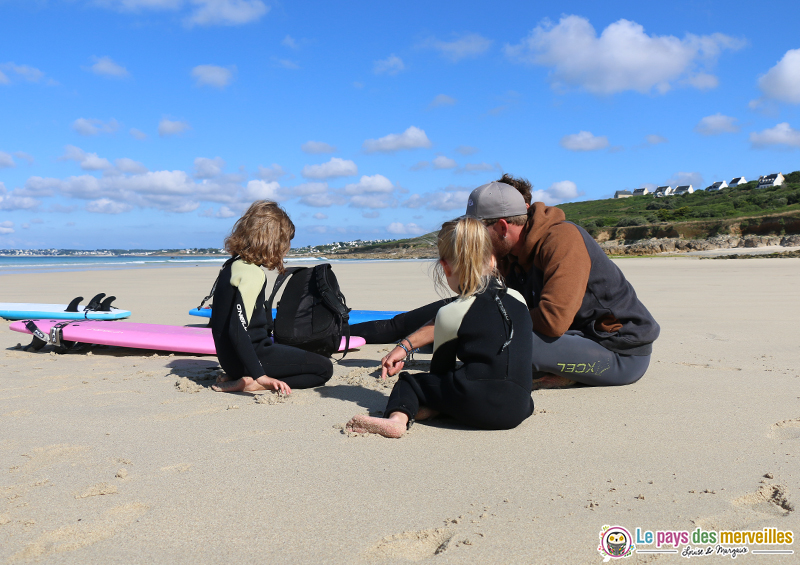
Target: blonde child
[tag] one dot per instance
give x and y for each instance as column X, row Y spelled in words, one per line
column 240, row 323
column 487, row 328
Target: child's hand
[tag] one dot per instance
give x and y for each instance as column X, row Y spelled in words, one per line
column 393, row 363
column 274, row 384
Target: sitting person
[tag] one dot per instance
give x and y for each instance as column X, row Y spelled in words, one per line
column 241, row 324
column 487, row 327
column 588, row 324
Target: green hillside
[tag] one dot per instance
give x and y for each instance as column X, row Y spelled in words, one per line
column 709, row 212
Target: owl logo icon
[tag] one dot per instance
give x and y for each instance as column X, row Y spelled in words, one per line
column 615, row 543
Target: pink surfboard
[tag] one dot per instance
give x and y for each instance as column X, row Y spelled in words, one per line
column 142, row 336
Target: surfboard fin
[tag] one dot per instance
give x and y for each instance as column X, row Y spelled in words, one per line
column 105, row 305
column 40, row 339
column 73, row 306
column 94, row 303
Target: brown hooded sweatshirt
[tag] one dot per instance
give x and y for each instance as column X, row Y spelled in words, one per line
column 557, row 250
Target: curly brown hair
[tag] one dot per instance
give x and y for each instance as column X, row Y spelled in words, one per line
column 262, row 236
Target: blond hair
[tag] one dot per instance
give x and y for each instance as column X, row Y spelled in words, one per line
column 262, row 236
column 466, row 246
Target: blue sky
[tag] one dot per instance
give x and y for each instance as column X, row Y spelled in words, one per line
column 154, row 123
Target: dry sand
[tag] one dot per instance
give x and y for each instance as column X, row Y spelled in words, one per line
column 123, row 456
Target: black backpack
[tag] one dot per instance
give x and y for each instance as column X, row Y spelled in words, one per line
column 312, row 313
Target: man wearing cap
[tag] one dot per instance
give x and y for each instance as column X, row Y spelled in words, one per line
column 588, row 324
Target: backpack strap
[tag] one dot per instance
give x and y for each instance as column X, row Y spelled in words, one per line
column 277, row 286
column 334, row 299
column 216, row 280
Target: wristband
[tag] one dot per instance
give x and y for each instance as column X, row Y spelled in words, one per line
column 400, row 344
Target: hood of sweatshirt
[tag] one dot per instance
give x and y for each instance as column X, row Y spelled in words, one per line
column 540, row 219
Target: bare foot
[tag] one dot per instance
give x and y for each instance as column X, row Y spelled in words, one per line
column 245, row 384
column 551, row 381
column 361, row 423
column 223, row 378
column 425, row 413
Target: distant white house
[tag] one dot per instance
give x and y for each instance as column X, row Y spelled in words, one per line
column 623, row 194
column 663, row 191
column 641, row 192
column 770, row 180
column 683, row 189
column 737, row 181
column 719, row 185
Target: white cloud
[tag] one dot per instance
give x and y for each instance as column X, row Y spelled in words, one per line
column 442, row 100
column 372, row 201
column 129, row 166
column 584, row 141
column 289, row 42
column 6, row 227
column 480, row 167
column 106, row 206
column 169, row 127
column 225, row 212
column 716, row 124
column 412, row 138
column 213, row 75
column 442, row 162
column 371, row 215
column 6, row 160
column 622, row 58
column 468, row 45
column 781, row 134
column 452, row 198
column 317, row 147
column 320, row 216
column 655, row 139
column 285, row 63
column 271, row 173
column 683, row 178
column 336, row 167
column 322, row 200
column 399, row 228
column 93, row 126
column 206, row 168
column 24, row 72
column 466, row 150
column 558, row 192
column 262, row 190
column 24, row 156
column 390, row 66
column 138, row 134
column 106, row 66
column 370, row 184
column 308, row 188
column 15, row 200
column 782, row 82
column 226, row 12
column 87, row 161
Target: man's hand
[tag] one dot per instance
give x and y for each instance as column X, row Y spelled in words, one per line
column 393, row 363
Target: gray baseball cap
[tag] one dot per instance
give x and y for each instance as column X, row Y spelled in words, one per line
column 495, row 200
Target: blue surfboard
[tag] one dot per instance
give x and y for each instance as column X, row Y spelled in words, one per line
column 356, row 316
column 32, row 311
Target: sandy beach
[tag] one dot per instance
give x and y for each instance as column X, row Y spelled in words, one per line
column 123, row 456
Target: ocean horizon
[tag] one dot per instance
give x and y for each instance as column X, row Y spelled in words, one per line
column 51, row 264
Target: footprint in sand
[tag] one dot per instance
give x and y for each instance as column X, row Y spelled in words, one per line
column 786, row 429
column 74, row 537
column 769, row 501
column 412, row 546
column 100, row 489
column 45, row 456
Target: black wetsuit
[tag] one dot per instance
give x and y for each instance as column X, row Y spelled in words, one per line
column 240, row 325
column 492, row 389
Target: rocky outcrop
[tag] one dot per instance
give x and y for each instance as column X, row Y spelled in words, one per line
column 655, row 246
